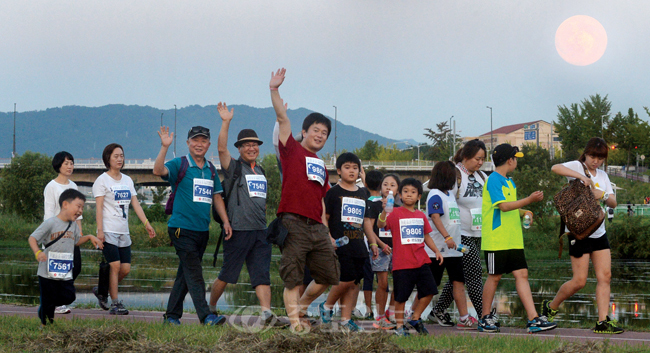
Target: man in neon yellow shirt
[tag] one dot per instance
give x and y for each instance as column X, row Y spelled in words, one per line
column 503, row 241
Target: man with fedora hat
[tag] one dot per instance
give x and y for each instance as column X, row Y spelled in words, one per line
column 246, row 189
column 195, row 186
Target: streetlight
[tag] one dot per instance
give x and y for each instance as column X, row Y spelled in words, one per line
column 335, row 123
column 175, row 131
column 161, row 114
column 13, row 154
column 451, row 147
column 491, row 138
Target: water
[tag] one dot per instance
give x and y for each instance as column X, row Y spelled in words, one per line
column 152, row 276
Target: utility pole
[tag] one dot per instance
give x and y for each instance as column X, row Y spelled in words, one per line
column 451, row 147
column 491, row 137
column 161, row 114
column 335, row 125
column 13, row 154
column 175, row 134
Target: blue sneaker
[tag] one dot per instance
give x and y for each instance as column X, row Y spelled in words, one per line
column 351, row 326
column 214, row 320
column 540, row 324
column 402, row 332
column 325, row 315
column 488, row 323
column 418, row 326
column 171, row 321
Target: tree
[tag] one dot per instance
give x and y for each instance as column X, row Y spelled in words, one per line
column 22, row 183
column 629, row 133
column 579, row 122
column 441, row 142
column 369, row 151
column 274, row 184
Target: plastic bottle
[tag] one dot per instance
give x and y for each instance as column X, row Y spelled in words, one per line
column 390, row 202
column 528, row 218
column 463, row 248
column 342, row 241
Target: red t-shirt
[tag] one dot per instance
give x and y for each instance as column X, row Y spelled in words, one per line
column 305, row 181
column 408, row 248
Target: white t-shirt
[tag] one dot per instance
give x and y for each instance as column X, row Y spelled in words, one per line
column 117, row 198
column 51, row 194
column 446, row 206
column 601, row 181
column 470, row 201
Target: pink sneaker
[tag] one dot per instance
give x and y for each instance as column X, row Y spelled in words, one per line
column 467, row 324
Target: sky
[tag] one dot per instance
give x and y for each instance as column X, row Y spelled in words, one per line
column 390, row 67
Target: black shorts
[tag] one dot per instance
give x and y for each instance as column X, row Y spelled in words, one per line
column 112, row 253
column 454, row 266
column 351, row 268
column 252, row 248
column 404, row 281
column 505, row 261
column 368, row 275
column 577, row 248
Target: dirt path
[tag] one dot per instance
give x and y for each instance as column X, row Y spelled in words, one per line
column 571, row 334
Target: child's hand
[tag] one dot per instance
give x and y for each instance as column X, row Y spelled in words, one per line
column 375, row 251
column 96, row 242
column 536, row 196
column 387, row 250
column 451, row 244
column 439, row 257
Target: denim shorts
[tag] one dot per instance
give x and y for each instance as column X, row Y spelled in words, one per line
column 383, row 263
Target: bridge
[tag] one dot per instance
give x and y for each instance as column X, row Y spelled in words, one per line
column 86, row 171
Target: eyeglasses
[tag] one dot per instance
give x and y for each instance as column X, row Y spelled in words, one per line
column 250, row 145
column 473, row 182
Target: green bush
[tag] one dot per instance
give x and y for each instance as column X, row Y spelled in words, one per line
column 156, row 213
column 629, row 237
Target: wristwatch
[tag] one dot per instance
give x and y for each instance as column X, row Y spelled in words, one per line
column 605, row 196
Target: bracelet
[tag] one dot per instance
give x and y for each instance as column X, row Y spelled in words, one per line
column 373, row 244
column 146, row 222
column 273, row 89
column 381, row 220
column 38, row 252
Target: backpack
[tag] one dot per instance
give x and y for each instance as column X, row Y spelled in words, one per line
column 578, row 209
column 459, row 178
column 169, row 207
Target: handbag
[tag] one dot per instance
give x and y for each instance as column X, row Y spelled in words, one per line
column 578, row 209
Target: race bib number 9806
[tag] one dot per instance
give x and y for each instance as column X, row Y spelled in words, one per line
column 256, row 185
column 203, row 190
column 316, row 169
column 411, row 230
column 352, row 210
column 59, row 265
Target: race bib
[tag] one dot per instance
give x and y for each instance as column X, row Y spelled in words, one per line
column 256, row 185
column 203, row 190
column 385, row 233
column 454, row 213
column 122, row 194
column 411, row 230
column 316, row 170
column 59, row 265
column 352, row 210
column 477, row 218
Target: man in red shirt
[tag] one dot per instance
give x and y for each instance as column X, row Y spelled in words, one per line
column 304, row 184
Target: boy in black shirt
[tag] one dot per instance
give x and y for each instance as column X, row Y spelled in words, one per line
column 345, row 207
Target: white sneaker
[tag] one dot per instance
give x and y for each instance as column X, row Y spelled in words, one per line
column 62, row 310
column 467, row 324
column 356, row 314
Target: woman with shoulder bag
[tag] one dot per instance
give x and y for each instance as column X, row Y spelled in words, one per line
column 596, row 246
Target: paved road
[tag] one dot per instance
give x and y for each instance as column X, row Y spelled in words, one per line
column 572, row 334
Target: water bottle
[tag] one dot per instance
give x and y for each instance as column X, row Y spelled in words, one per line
column 463, row 248
column 342, row 241
column 528, row 218
column 390, row 202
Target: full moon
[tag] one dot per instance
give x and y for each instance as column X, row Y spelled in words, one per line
column 581, row 40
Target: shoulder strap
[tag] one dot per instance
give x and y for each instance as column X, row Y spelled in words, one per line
column 481, row 174
column 59, row 237
column 459, row 178
column 182, row 171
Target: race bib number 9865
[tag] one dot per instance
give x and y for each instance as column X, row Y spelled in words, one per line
column 316, row 169
column 411, row 230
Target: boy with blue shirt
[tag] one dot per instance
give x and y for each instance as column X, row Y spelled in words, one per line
column 189, row 223
column 503, row 241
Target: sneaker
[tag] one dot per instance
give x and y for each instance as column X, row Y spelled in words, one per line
column 356, row 314
column 402, row 332
column 383, row 323
column 540, row 324
column 442, row 318
column 488, row 323
column 118, row 308
column 325, row 315
column 547, row 311
column 467, row 324
column 214, row 320
column 390, row 315
column 418, row 326
column 369, row 316
column 495, row 316
column 270, row 320
column 171, row 321
column 608, row 326
column 351, row 326
column 62, row 310
column 407, row 315
column 103, row 301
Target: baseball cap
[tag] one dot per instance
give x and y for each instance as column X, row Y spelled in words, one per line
column 503, row 152
column 198, row 131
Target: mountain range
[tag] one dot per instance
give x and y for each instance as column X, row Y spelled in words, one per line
column 85, row 131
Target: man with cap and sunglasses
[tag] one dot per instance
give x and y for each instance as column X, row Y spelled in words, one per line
column 246, row 188
column 196, row 186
